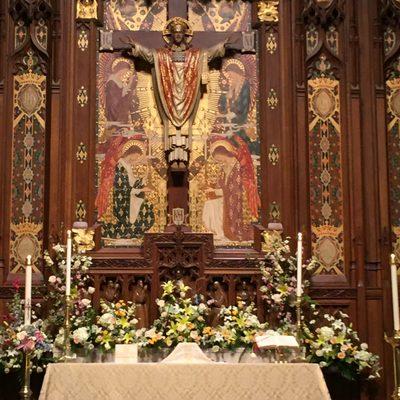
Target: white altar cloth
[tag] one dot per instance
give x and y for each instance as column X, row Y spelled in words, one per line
column 184, row 382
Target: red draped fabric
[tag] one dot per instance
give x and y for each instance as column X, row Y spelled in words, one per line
column 167, row 70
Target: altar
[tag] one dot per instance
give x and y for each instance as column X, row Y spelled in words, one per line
column 184, row 382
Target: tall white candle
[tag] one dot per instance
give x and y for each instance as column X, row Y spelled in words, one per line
column 28, row 291
column 395, row 292
column 299, row 264
column 68, row 268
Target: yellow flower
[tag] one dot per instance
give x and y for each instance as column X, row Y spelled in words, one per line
column 207, row 330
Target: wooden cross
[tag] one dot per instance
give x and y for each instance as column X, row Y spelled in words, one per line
column 241, row 41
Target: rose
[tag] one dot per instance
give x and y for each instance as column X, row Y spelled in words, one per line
column 80, row 335
column 91, row 290
column 52, row 279
column 21, row 335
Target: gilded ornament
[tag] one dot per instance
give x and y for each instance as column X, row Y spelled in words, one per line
column 271, row 45
column 83, row 40
column 268, row 11
column 82, row 97
column 272, row 99
column 273, row 155
column 270, row 238
column 81, row 154
column 83, row 239
column 86, row 9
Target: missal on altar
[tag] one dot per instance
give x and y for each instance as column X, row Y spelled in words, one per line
column 269, row 341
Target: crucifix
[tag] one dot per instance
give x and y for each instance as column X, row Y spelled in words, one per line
column 180, row 67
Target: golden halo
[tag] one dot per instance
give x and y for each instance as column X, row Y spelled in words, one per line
column 222, row 143
column 233, row 61
column 119, row 60
column 177, row 20
column 132, row 143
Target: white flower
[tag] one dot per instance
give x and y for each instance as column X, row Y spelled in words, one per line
column 319, row 353
column 364, row 346
column 91, row 290
column 194, row 335
column 160, row 303
column 86, row 302
column 277, row 297
column 202, row 307
column 326, row 333
column 80, row 335
column 107, row 319
column 362, row 355
column 21, row 335
column 52, row 279
column 322, row 364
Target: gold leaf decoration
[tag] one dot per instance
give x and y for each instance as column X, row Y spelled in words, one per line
column 268, row 11
column 272, row 99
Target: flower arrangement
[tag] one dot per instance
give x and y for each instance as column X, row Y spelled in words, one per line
column 17, row 338
column 238, row 329
column 116, row 324
column 278, row 271
column 180, row 319
column 336, row 346
column 83, row 315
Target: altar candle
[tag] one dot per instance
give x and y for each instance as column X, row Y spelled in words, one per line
column 68, row 269
column 299, row 263
column 28, row 290
column 395, row 293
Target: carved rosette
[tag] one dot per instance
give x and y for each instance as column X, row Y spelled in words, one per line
column 323, row 61
column 31, row 43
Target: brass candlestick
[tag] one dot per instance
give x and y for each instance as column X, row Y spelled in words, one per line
column 394, row 341
column 26, row 392
column 67, row 353
column 298, row 318
column 301, row 355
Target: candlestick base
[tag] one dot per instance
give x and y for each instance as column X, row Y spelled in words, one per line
column 26, row 392
column 68, row 355
column 394, row 341
column 300, row 358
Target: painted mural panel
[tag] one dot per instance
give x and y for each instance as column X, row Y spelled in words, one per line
column 135, row 15
column 131, row 198
column 393, row 126
column 27, row 195
column 326, row 186
column 221, row 15
column 225, row 166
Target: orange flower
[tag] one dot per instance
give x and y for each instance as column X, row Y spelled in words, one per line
column 341, row 355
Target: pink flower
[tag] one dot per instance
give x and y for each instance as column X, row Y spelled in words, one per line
column 16, row 284
column 39, row 336
column 27, row 345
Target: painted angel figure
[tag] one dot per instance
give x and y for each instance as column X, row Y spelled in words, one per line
column 121, row 200
column 223, row 211
column 179, row 71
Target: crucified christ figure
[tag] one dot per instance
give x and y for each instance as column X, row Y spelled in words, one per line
column 179, row 72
